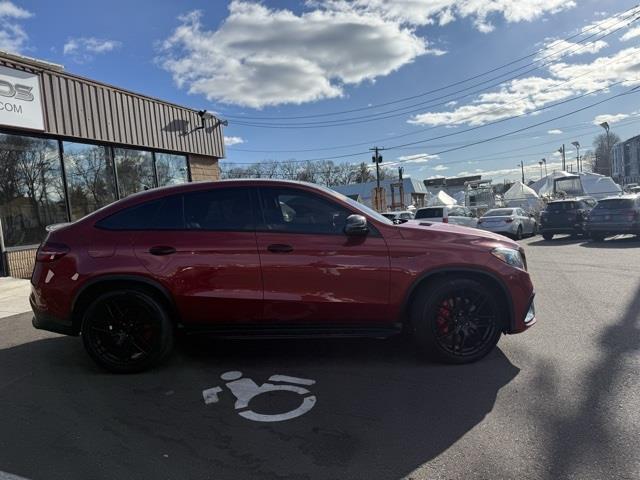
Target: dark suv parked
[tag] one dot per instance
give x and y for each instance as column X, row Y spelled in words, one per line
column 615, row 215
column 567, row 216
column 273, row 259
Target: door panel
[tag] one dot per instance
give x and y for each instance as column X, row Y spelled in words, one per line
column 211, row 262
column 312, row 272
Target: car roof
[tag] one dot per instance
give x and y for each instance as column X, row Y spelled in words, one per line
column 628, row 196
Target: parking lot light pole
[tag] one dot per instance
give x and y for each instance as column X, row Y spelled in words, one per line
column 544, row 160
column 605, row 125
column 577, row 145
column 522, row 169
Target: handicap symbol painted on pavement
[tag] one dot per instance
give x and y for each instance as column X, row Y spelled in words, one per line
column 245, row 389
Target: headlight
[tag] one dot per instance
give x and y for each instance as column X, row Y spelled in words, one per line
column 509, row 256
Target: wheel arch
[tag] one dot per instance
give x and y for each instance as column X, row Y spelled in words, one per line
column 432, row 276
column 95, row 286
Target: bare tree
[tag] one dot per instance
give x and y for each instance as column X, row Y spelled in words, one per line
column 602, row 146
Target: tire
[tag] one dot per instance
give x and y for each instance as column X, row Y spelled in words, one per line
column 441, row 337
column 597, row 237
column 535, row 229
column 127, row 331
column 547, row 236
column 519, row 233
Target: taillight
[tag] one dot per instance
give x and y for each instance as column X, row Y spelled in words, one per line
column 445, row 220
column 50, row 252
column 509, row 220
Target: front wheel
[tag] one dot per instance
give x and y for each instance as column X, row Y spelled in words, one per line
column 127, row 331
column 547, row 236
column 458, row 321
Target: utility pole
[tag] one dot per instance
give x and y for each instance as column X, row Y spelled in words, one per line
column 522, row 169
column 378, row 197
column 400, row 172
column 377, row 158
column 564, row 160
column 577, row 145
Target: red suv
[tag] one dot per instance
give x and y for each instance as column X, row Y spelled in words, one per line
column 268, row 259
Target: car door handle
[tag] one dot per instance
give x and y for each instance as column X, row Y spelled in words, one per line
column 280, row 248
column 162, row 250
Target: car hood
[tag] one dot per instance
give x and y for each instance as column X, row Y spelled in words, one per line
column 437, row 231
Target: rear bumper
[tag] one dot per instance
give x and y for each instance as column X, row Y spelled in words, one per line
column 44, row 321
column 508, row 229
column 561, row 230
column 614, row 228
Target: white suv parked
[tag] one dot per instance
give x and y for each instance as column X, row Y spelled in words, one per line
column 448, row 214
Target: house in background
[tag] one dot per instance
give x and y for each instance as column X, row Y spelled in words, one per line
column 398, row 194
column 626, row 161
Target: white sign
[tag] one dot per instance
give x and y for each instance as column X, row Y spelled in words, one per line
column 20, row 100
column 245, row 389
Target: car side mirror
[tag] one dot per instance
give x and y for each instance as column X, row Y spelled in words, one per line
column 356, row 225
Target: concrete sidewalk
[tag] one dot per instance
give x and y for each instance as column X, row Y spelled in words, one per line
column 14, row 296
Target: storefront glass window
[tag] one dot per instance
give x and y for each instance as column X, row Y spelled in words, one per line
column 31, row 188
column 90, row 178
column 172, row 169
column 135, row 171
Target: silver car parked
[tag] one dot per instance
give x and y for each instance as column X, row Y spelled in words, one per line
column 514, row 222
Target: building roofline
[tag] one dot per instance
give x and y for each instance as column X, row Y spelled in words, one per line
column 57, row 69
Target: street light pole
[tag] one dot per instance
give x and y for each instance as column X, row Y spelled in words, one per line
column 605, row 125
column 577, row 145
column 544, row 160
column 564, row 160
column 540, row 163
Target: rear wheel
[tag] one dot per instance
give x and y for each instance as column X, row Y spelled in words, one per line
column 458, row 321
column 127, row 331
column 519, row 233
column 547, row 236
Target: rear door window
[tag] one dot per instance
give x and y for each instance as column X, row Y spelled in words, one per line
column 561, row 206
column 161, row 214
column 219, row 209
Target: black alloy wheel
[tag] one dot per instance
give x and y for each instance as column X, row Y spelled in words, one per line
column 460, row 322
column 127, row 331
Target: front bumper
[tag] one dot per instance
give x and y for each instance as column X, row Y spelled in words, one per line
column 44, row 321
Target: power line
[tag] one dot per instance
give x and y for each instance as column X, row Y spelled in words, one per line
column 557, row 85
column 596, row 26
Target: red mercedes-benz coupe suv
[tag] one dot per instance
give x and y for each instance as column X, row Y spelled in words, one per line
column 265, row 258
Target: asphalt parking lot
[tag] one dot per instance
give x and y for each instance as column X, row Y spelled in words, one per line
column 559, row 401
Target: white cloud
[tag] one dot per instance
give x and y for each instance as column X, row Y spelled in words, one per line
column 12, row 36
column 555, row 131
column 440, row 168
column 261, row 56
column 521, row 96
column 83, row 49
column 609, row 118
column 417, row 158
column 229, row 141
column 631, row 33
column 554, row 49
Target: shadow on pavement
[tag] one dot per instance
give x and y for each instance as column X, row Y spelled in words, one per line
column 380, row 411
column 589, row 439
column 623, row 241
column 558, row 241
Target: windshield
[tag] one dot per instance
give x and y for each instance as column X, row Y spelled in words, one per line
column 500, row 212
column 390, row 216
column 615, row 204
column 429, row 213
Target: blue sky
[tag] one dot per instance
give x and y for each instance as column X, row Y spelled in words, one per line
column 265, row 62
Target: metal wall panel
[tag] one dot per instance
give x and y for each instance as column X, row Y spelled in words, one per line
column 81, row 108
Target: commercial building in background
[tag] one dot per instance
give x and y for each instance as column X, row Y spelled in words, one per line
column 397, row 194
column 69, row 145
column 626, row 161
